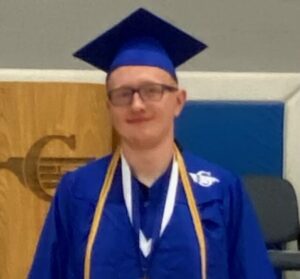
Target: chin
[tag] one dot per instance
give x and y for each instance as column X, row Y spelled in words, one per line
column 142, row 142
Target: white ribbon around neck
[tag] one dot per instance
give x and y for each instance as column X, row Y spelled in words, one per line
column 146, row 245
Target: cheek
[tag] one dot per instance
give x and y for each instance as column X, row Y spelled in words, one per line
column 165, row 118
column 116, row 118
column 171, row 110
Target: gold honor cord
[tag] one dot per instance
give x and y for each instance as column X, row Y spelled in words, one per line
column 98, row 212
column 194, row 211
column 102, row 199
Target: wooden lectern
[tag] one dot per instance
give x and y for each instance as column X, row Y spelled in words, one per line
column 46, row 129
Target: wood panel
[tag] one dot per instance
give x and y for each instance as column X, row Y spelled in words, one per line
column 45, row 129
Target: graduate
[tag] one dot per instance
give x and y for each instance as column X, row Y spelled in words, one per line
column 149, row 210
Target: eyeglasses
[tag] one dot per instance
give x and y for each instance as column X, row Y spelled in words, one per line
column 123, row 96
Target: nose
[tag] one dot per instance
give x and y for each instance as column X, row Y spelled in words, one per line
column 137, row 103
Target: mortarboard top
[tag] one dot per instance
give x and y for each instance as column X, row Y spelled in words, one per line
column 142, row 38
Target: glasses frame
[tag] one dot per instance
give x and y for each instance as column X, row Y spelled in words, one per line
column 163, row 89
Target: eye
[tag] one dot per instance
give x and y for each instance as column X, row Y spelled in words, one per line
column 121, row 93
column 125, row 93
column 152, row 89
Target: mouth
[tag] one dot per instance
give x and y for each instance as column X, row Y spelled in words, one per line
column 137, row 120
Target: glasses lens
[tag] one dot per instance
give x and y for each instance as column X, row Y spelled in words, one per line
column 121, row 96
column 151, row 92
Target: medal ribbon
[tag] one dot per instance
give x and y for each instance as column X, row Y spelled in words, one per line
column 103, row 196
column 130, row 193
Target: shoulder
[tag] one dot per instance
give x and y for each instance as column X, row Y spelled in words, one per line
column 85, row 182
column 208, row 173
column 211, row 181
column 214, row 185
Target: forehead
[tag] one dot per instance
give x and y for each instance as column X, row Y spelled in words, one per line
column 135, row 75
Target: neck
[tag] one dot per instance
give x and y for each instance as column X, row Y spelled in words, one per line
column 148, row 164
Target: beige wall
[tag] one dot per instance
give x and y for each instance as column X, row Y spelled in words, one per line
column 260, row 36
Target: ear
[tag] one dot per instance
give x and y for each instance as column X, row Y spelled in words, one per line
column 181, row 100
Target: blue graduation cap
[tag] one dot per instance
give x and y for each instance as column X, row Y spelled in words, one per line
column 142, row 38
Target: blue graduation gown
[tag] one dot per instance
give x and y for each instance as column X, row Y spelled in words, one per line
column 235, row 247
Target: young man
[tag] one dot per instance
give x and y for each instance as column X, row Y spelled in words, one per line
column 148, row 211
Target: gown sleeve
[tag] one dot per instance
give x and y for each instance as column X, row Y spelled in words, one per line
column 248, row 257
column 51, row 257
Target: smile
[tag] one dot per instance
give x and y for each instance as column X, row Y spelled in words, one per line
column 137, row 120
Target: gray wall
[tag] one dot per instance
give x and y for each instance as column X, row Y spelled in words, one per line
column 242, row 35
